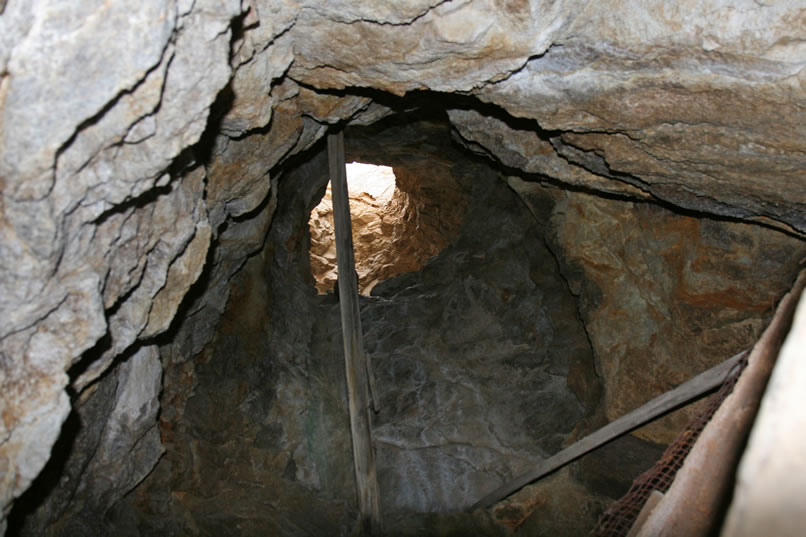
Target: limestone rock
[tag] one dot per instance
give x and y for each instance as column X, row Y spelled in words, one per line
column 77, row 196
column 522, row 145
column 437, row 49
column 396, row 12
column 261, row 54
column 43, row 74
column 166, row 249
column 238, row 179
column 181, row 275
column 695, row 103
column 203, row 311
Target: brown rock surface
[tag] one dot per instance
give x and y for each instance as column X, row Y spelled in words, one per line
column 666, row 296
column 696, row 103
column 555, row 507
column 437, row 49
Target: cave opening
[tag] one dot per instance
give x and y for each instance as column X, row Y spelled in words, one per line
column 389, row 237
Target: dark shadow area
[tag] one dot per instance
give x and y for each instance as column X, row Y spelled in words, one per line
column 89, row 357
column 143, row 200
column 48, row 479
column 203, row 151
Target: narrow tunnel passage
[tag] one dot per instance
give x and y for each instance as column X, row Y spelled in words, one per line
column 481, row 356
column 471, row 354
column 516, row 317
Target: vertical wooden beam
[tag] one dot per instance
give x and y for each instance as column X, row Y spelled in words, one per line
column 354, row 357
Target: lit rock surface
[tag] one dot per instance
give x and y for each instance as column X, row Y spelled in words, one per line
column 399, row 230
column 438, row 49
column 85, row 195
column 696, row 103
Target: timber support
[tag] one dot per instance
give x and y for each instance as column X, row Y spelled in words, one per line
column 355, row 360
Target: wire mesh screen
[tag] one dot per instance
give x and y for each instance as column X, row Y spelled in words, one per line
column 619, row 518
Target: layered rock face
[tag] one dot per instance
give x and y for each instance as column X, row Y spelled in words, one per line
column 141, row 148
column 658, row 98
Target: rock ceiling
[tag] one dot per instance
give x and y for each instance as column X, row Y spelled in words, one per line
column 127, row 138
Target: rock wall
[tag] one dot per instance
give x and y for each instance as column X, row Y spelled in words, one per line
column 688, row 102
column 689, row 292
column 117, row 443
column 467, row 352
column 132, row 143
column 238, row 445
column 95, row 224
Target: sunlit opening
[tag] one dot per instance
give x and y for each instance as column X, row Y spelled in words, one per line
column 377, row 181
column 371, row 189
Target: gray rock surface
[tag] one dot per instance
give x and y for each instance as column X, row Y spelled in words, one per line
column 437, row 49
column 95, row 220
column 116, row 443
column 472, row 356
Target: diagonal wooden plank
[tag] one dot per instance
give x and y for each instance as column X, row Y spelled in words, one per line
column 684, row 393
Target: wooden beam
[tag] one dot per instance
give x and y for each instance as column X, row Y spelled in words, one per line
column 354, row 358
column 684, row 393
column 767, row 498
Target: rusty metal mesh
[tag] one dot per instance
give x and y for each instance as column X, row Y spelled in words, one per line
column 619, row 518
